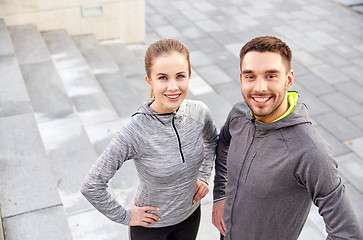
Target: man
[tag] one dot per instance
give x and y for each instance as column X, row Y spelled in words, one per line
column 275, row 161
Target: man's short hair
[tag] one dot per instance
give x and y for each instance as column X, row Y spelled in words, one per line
column 267, row 44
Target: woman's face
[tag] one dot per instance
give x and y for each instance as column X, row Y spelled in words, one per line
column 169, row 80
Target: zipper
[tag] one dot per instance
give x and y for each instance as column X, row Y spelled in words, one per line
column 177, row 135
column 248, row 149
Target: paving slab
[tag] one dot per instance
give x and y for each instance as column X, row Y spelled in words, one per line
column 207, row 231
column 356, row 200
column 46, row 91
column 339, row 126
column 315, row 105
column 28, row 44
column 14, row 98
column 315, row 84
column 342, row 103
column 355, row 73
column 224, row 59
column 214, row 75
column 5, row 41
column 344, row 50
column 26, row 178
column 199, row 58
column 48, row 223
column 333, row 59
column 208, row 45
column 231, row 92
column 337, row 147
column 178, row 21
column 218, row 105
column 306, row 59
column 314, row 227
column 329, row 73
column 357, row 120
column 356, row 145
column 351, row 167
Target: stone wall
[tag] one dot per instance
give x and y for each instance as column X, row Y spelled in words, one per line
column 107, row 19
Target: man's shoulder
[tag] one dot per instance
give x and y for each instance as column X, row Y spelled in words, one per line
column 240, row 109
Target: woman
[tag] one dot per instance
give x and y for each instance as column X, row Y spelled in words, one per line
column 172, row 142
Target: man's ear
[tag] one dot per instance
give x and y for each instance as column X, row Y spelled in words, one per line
column 240, row 77
column 290, row 79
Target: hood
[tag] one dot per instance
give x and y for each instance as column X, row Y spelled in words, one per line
column 162, row 117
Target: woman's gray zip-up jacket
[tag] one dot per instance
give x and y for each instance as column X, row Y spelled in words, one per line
column 170, row 152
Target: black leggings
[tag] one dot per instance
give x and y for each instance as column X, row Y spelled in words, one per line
column 186, row 230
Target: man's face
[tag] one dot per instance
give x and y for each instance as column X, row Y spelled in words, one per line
column 265, row 81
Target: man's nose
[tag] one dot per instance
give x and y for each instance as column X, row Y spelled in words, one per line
column 260, row 85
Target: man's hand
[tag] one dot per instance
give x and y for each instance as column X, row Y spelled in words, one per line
column 140, row 215
column 200, row 191
column 217, row 216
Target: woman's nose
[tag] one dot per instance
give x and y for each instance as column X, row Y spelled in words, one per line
column 172, row 85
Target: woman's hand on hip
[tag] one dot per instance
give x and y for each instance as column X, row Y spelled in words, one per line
column 141, row 216
column 200, row 191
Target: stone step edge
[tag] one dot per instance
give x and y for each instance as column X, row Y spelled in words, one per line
column 2, row 232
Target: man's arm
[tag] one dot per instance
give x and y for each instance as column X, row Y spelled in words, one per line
column 220, row 179
column 318, row 172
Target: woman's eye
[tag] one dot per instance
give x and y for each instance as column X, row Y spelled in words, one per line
column 180, row 76
column 163, row 78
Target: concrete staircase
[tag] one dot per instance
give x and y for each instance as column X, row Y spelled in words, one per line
column 61, row 100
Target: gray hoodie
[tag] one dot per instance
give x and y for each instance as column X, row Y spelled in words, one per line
column 170, row 152
column 275, row 171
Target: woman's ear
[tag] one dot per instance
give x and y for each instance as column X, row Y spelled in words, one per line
column 148, row 80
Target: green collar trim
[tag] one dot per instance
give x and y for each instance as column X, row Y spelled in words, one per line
column 291, row 100
column 292, row 97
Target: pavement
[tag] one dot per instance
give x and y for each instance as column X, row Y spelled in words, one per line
column 67, row 95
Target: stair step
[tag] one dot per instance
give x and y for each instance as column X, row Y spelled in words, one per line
column 46, row 91
column 48, row 223
column 28, row 44
column 6, row 46
column 128, row 63
column 95, row 55
column 14, row 98
column 91, row 104
column 71, row 156
column 26, row 179
column 123, row 96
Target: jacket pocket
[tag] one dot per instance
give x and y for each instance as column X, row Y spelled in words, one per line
column 249, row 167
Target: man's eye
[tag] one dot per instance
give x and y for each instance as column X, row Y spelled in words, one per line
column 163, row 78
column 180, row 76
column 249, row 77
column 271, row 76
